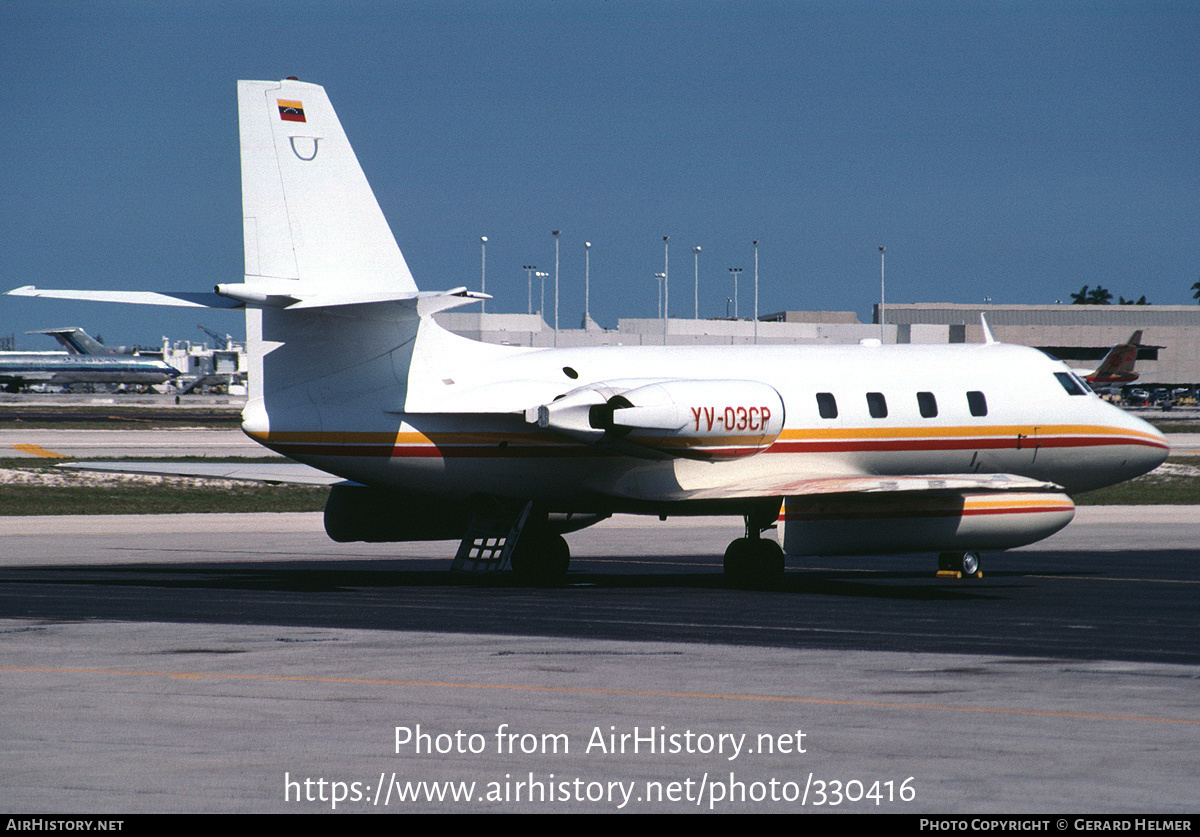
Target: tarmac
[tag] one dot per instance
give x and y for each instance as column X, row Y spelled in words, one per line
column 214, row 701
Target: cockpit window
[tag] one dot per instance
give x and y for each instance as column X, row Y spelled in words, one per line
column 1070, row 383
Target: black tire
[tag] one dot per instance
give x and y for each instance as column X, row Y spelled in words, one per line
column 769, row 562
column 754, row 562
column 739, row 561
column 541, row 559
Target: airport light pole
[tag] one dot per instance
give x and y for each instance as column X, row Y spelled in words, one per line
column 882, row 306
column 735, row 271
column 555, row 234
column 756, row 290
column 660, row 277
column 482, row 272
column 666, row 292
column 541, row 274
column 587, row 290
column 529, row 269
column 696, row 254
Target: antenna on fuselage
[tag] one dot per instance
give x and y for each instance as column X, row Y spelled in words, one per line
column 987, row 332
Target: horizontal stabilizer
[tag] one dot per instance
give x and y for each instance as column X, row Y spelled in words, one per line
column 177, row 298
column 249, row 295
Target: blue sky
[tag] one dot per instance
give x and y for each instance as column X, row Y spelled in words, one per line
column 1012, row 151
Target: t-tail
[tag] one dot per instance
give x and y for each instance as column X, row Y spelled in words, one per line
column 310, row 216
column 334, row 319
column 333, row 311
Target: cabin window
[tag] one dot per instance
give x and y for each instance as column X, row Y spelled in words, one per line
column 927, row 404
column 876, row 405
column 826, row 405
column 977, row 403
column 1069, row 383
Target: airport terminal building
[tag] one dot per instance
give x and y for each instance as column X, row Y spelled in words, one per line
column 1078, row 334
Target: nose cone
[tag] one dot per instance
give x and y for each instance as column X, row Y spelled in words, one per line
column 1156, row 445
column 1144, row 448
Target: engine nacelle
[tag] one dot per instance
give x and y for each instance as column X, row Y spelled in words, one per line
column 725, row 419
column 881, row 524
column 361, row 513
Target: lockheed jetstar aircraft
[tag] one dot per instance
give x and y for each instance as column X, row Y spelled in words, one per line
column 865, row 449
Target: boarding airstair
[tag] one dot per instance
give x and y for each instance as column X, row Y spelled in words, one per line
column 491, row 536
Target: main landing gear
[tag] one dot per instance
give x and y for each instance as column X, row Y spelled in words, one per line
column 959, row 565
column 753, row 560
column 540, row 557
column 505, row 532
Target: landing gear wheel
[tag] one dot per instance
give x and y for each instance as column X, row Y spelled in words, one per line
column 541, row 559
column 753, row 562
column 959, row 565
column 739, row 561
column 970, row 564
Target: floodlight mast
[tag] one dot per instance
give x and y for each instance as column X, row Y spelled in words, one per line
column 483, row 271
column 587, row 267
column 882, row 305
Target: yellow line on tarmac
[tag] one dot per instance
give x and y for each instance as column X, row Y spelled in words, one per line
column 38, row 450
column 870, row 704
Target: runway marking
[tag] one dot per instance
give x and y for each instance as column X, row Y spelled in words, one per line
column 1087, row 716
column 38, row 450
column 1111, row 578
column 871, row 571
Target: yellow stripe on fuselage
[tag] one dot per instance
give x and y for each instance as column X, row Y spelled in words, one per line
column 375, row 443
column 984, row 431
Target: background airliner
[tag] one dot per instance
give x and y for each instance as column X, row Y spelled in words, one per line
column 85, row 362
column 1117, row 366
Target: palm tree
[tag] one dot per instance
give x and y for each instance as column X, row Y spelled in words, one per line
column 1081, row 298
column 1196, row 292
column 1100, row 296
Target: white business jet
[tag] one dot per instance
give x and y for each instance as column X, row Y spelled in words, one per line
column 865, row 449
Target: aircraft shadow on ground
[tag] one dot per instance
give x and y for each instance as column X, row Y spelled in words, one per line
column 1020, row 607
column 337, row 577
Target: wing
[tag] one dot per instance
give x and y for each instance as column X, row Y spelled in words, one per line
column 270, row 472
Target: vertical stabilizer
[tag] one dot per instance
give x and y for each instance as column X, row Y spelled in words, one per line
column 308, row 211
column 78, row 342
column 311, row 218
column 1117, row 366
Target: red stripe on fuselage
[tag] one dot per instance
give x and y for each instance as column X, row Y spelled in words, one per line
column 506, row 449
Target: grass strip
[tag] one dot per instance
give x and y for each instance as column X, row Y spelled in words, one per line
column 82, row 493
column 168, row 497
column 174, row 495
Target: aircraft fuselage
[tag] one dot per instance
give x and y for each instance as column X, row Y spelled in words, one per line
column 848, row 411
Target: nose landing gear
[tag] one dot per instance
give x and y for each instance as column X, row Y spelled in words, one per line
column 959, row 565
column 755, row 561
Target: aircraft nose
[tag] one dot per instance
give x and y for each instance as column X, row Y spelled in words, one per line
column 1152, row 448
